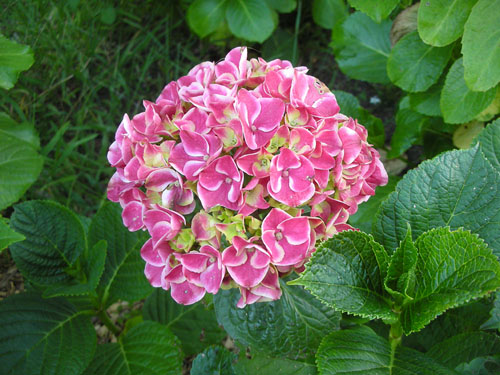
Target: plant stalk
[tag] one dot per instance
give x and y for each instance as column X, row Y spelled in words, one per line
column 295, row 50
column 395, row 337
column 108, row 323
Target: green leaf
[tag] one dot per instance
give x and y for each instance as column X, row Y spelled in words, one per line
column 452, row 268
column 214, row 361
column 458, row 103
column 260, row 364
column 456, row 189
column 195, row 325
column 149, row 348
column 481, row 366
column 464, row 348
column 480, row 46
column 400, row 278
column 14, row 58
column 489, row 142
column 55, row 238
column 205, row 16
column 362, row 47
column 42, row 337
column 351, row 107
column 20, row 163
column 93, row 267
column 377, row 10
column 7, row 235
column 251, row 20
column 409, row 126
column 415, row 66
column 494, row 321
column 347, row 273
column 291, row 326
column 123, row 276
column 282, row 6
column 427, row 102
column 329, row 13
column 465, row 134
column 278, row 46
column 364, row 217
column 441, row 22
column 360, row 351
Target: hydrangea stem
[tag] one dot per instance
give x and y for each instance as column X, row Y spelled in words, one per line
column 108, row 323
column 395, row 336
column 295, row 49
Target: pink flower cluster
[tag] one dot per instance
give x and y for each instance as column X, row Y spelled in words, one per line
column 236, row 171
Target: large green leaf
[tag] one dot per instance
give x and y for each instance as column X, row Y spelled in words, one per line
column 328, row 13
column 415, row 66
column 456, row 189
column 363, row 218
column 260, row 364
column 494, row 320
column 205, row 16
column 464, row 348
column 92, row 266
column 427, row 102
column 149, row 348
column 452, row 268
column 7, row 235
column 291, row 326
column 195, row 325
column 14, row 58
column 481, row 366
column 347, row 272
column 377, row 10
column 215, row 360
column 481, row 46
column 489, row 142
column 458, row 103
column 20, row 163
column 441, row 22
column 55, row 238
column 123, row 276
column 42, row 337
column 251, row 20
column 409, row 127
column 362, row 47
column 351, row 107
column 360, row 351
column 282, row 6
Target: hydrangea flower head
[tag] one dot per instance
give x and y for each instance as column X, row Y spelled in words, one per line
column 236, row 171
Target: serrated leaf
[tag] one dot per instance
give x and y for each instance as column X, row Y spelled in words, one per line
column 359, row 350
column 377, row 10
column 456, row 189
column 214, row 361
column 93, row 267
column 205, row 16
column 149, row 348
column 123, row 276
column 282, row 6
column 481, row 36
column 458, row 103
column 291, row 326
column 20, row 163
column 42, row 337
column 494, row 321
column 489, row 142
column 7, row 235
column 251, row 20
column 195, row 325
column 400, row 278
column 452, row 268
column 347, row 273
column 351, row 107
column 441, row 22
column 409, row 127
column 427, row 103
column 329, row 13
column 259, row 364
column 464, row 348
column 14, row 58
column 415, row 66
column 363, row 218
column 55, row 238
column 362, row 47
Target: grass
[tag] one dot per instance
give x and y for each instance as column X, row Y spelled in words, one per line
column 94, row 62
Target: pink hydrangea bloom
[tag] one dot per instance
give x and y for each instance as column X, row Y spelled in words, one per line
column 236, row 171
